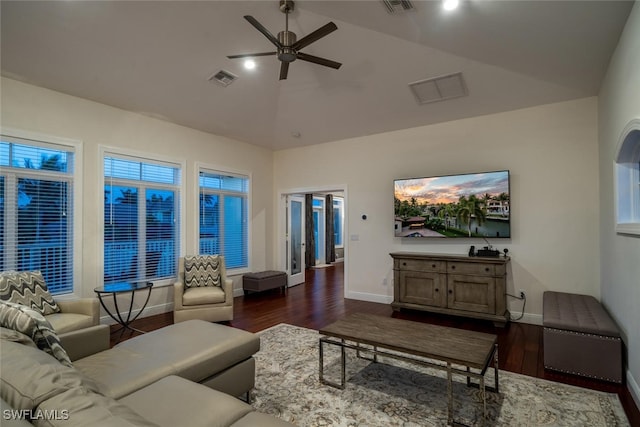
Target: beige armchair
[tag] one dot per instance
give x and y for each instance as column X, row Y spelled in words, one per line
column 202, row 292
column 72, row 320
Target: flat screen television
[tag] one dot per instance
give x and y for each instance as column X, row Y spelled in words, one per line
column 467, row 205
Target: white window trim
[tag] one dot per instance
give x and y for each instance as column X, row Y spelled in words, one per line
column 78, row 178
column 138, row 155
column 627, row 180
column 204, row 167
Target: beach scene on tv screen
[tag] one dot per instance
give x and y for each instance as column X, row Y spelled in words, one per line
column 470, row 205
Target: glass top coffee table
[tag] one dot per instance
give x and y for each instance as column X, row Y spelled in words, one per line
column 114, row 289
column 455, row 351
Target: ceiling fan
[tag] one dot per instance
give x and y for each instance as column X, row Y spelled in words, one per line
column 288, row 49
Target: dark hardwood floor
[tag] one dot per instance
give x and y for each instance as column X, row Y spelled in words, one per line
column 319, row 302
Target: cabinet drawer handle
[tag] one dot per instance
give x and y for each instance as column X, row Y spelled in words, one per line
column 437, row 289
column 451, row 291
column 404, row 263
column 453, row 267
column 433, row 266
column 486, row 269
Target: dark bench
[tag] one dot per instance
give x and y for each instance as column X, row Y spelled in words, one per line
column 580, row 337
column 264, row 280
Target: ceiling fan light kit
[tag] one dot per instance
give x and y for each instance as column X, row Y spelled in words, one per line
column 288, row 47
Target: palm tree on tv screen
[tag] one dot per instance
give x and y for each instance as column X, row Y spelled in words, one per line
column 469, row 208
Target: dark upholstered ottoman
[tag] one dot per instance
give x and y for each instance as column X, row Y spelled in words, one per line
column 264, row 280
column 580, row 337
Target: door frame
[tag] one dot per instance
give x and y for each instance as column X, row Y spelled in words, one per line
column 281, row 224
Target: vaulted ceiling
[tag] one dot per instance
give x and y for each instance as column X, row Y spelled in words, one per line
column 156, row 57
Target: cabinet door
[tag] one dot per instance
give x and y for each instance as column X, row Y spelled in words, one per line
column 421, row 287
column 471, row 293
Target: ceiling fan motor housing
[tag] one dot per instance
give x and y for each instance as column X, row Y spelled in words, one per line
column 288, row 47
column 287, row 39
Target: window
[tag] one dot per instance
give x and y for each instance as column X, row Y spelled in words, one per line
column 141, row 218
column 36, row 210
column 628, row 180
column 224, row 217
column 338, row 221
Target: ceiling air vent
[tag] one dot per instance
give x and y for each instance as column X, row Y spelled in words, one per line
column 439, row 88
column 223, row 78
column 394, row 6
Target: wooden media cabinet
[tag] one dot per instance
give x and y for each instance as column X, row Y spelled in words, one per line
column 451, row 284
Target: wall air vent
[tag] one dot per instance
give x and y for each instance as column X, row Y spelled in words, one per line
column 223, row 78
column 394, row 6
column 439, row 88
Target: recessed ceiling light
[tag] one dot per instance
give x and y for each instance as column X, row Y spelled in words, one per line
column 249, row 64
column 450, row 4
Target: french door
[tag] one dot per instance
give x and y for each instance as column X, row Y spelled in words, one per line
column 295, row 240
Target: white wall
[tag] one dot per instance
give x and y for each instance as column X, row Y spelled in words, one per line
column 618, row 104
column 34, row 109
column 551, row 152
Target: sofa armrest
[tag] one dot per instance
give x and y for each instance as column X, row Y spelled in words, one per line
column 178, row 290
column 87, row 306
column 228, row 291
column 87, row 341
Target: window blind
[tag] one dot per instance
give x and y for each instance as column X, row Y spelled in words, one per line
column 224, row 217
column 36, row 203
column 141, row 219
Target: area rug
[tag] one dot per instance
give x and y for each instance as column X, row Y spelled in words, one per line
column 395, row 393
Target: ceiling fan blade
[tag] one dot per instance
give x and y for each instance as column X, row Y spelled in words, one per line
column 317, row 34
column 253, row 21
column 320, row 61
column 284, row 70
column 249, row 55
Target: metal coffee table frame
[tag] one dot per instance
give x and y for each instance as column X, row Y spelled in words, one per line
column 448, row 367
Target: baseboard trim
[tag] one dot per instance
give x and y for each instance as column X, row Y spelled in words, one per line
column 634, row 390
column 148, row 311
column 532, row 319
column 362, row 296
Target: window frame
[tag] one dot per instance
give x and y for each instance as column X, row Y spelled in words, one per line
column 627, row 180
column 213, row 169
column 126, row 154
column 75, row 178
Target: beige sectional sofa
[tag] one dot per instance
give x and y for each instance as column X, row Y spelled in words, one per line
column 178, row 375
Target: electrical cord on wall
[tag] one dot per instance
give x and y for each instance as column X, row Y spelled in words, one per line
column 522, row 298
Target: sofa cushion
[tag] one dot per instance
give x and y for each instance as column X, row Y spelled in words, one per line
column 33, row 324
column 27, row 288
column 12, row 421
column 172, row 401
column 67, row 322
column 195, row 350
column 203, row 295
column 202, row 270
column 84, row 408
column 7, row 334
column 30, row 376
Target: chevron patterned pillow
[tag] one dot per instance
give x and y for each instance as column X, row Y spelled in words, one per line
column 33, row 324
column 27, row 288
column 202, row 270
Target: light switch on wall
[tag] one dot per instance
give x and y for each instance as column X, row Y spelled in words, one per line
column 355, row 237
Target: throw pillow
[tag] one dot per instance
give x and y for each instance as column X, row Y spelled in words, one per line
column 27, row 288
column 202, row 270
column 33, row 324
